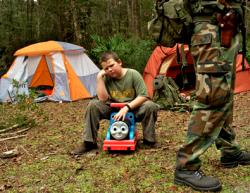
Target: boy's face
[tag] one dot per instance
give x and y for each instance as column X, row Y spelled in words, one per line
column 112, row 68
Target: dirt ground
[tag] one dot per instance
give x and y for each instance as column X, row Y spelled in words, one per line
column 57, row 131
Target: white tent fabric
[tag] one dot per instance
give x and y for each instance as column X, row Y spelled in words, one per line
column 9, row 88
column 84, row 69
column 24, row 68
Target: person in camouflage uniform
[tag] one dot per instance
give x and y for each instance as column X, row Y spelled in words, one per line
column 211, row 118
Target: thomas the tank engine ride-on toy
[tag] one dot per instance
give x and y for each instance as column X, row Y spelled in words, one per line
column 121, row 135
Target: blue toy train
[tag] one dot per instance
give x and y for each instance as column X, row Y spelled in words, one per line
column 121, row 135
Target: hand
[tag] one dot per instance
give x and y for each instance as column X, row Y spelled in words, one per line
column 121, row 114
column 101, row 74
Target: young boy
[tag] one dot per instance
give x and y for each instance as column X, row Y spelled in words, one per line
column 118, row 84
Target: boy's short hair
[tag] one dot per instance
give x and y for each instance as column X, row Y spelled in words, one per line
column 108, row 55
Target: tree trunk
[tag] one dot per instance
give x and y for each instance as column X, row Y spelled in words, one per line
column 133, row 9
column 77, row 30
column 29, row 22
column 109, row 17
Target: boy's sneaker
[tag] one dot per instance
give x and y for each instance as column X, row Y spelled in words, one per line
column 84, row 148
column 197, row 180
column 229, row 161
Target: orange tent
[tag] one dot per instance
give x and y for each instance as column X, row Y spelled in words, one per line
column 63, row 66
column 163, row 61
column 242, row 80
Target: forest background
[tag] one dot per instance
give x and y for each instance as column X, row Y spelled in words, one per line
column 43, row 134
column 97, row 25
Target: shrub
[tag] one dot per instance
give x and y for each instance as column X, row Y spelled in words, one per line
column 133, row 52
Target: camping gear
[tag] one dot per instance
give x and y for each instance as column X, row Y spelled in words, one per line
column 172, row 23
column 163, row 61
column 64, row 67
column 166, row 93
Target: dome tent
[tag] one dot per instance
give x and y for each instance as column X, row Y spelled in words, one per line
column 63, row 66
column 163, row 61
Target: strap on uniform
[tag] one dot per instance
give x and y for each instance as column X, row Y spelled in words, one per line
column 183, row 63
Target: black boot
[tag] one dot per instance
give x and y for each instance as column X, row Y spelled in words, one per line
column 85, row 147
column 229, row 161
column 149, row 143
column 197, row 180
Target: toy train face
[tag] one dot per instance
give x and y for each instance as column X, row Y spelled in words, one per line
column 119, row 130
column 121, row 135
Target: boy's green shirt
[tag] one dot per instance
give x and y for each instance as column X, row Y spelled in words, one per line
column 127, row 88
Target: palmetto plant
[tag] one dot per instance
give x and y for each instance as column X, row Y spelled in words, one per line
column 133, row 52
column 116, row 43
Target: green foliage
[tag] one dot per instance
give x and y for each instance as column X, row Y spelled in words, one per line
column 23, row 120
column 4, row 58
column 133, row 52
column 248, row 49
column 139, row 54
column 23, row 101
column 116, row 44
column 248, row 56
column 23, row 112
column 25, row 22
column 18, row 115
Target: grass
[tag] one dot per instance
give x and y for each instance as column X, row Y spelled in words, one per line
column 45, row 165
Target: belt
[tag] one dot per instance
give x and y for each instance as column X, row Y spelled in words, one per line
column 204, row 18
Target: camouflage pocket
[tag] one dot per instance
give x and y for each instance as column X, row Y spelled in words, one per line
column 214, row 90
column 208, row 57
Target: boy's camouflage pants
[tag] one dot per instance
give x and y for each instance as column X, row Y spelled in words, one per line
column 211, row 119
column 97, row 110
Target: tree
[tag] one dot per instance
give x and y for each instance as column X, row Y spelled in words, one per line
column 23, row 22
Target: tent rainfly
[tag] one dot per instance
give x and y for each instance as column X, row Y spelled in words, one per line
column 163, row 61
column 62, row 66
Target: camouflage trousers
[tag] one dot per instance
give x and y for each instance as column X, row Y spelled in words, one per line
column 97, row 110
column 212, row 115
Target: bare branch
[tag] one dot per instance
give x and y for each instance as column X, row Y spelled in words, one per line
column 14, row 137
column 10, row 128
column 26, row 151
column 14, row 133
